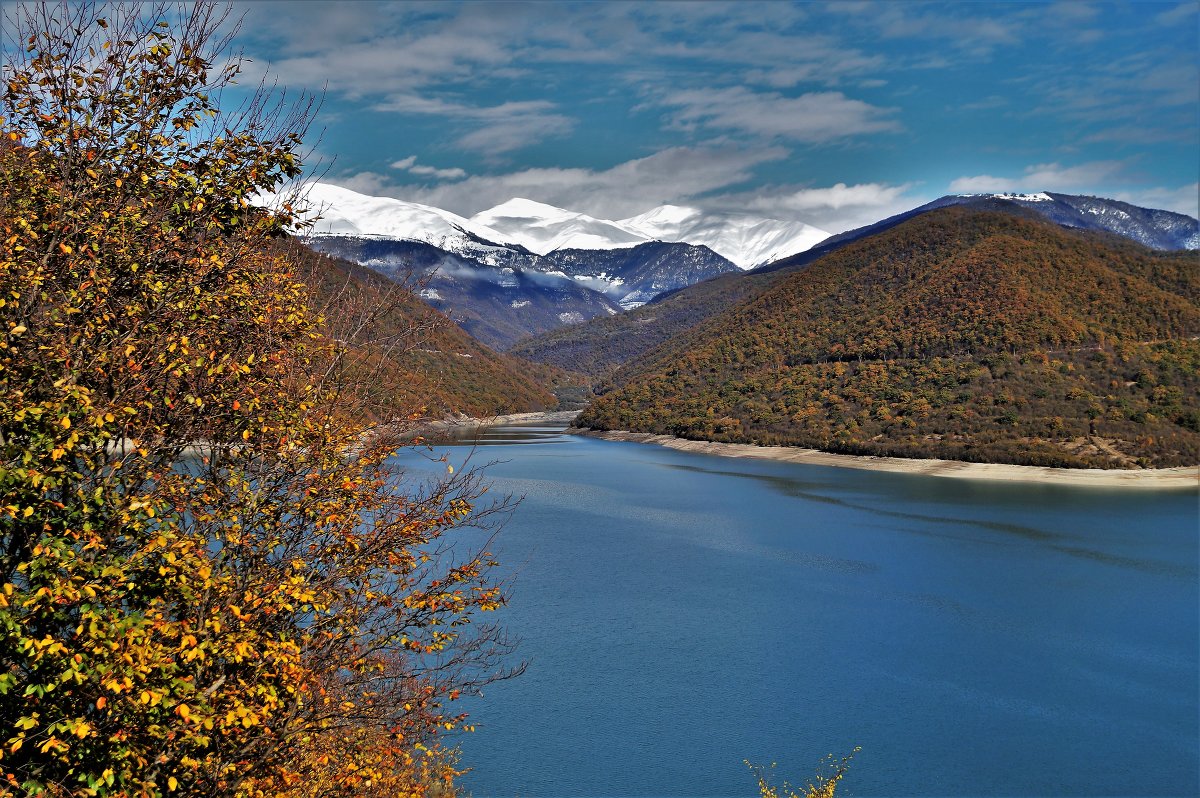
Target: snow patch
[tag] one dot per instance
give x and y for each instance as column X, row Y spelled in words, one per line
column 1040, row 196
column 747, row 241
column 571, row 317
column 519, row 303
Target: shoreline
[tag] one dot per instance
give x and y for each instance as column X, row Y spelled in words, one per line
column 1156, row 478
column 468, row 422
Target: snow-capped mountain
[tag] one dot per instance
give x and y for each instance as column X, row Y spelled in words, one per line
column 544, row 228
column 635, row 275
column 344, row 212
column 748, row 241
column 525, row 225
column 496, row 304
column 745, row 240
column 1151, row 227
column 626, row 266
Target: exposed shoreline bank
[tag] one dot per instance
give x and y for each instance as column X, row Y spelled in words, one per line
column 469, row 423
column 1157, row 478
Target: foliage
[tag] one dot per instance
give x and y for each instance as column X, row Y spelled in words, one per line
column 211, row 581
column 822, row 785
column 958, row 334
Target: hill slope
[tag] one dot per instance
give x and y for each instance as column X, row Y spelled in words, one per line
column 406, row 356
column 958, row 333
column 596, row 346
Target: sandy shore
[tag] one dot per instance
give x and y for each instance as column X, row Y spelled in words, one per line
column 1184, row 477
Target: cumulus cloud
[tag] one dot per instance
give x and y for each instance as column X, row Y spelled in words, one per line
column 815, row 117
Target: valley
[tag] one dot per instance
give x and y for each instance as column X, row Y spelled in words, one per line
column 1028, row 329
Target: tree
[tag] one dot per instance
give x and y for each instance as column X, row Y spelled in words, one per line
column 212, row 581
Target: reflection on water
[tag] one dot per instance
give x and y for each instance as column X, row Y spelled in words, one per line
column 808, row 490
column 683, row 612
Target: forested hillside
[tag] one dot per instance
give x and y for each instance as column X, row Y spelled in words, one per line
column 960, row 333
column 408, row 356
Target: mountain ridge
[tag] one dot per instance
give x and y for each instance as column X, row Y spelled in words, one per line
column 539, row 228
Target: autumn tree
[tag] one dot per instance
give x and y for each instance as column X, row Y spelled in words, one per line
column 212, row 581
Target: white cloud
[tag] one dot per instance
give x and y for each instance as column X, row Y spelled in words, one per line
column 499, row 128
column 815, row 117
column 1043, row 177
column 453, row 173
column 675, row 175
column 1185, row 199
column 835, row 208
column 411, row 166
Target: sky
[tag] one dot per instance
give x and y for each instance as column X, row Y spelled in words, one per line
column 836, row 114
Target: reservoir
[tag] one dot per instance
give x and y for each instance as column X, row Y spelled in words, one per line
column 681, row 613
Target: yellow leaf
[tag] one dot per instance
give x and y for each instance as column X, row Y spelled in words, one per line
column 172, row 784
column 184, row 711
column 66, row 422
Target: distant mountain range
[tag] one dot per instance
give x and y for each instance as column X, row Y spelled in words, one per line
column 524, row 268
column 605, row 343
column 1041, row 328
column 745, row 240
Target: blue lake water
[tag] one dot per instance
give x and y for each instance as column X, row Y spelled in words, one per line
column 682, row 613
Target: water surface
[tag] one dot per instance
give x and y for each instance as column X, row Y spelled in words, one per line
column 681, row 613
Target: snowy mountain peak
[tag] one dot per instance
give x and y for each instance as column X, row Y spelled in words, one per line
column 662, row 216
column 522, row 208
column 748, row 241
column 1040, row 196
column 525, row 224
column 348, row 213
column 1152, row 227
column 543, row 228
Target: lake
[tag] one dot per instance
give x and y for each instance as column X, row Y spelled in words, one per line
column 682, row 613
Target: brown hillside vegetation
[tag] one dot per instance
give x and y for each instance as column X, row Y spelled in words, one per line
column 959, row 334
column 406, row 355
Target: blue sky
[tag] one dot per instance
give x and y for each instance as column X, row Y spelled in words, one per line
column 832, row 113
